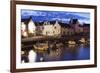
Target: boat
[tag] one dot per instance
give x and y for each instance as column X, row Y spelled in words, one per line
column 71, row 42
column 82, row 40
column 41, row 46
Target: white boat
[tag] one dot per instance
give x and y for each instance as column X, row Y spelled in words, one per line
column 71, row 42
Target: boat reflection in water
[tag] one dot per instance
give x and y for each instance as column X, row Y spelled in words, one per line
column 61, row 52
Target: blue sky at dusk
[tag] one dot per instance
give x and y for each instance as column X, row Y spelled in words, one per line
column 64, row 16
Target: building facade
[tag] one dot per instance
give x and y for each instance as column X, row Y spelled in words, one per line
column 51, row 29
column 31, row 28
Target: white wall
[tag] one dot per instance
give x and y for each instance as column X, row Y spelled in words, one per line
column 5, row 36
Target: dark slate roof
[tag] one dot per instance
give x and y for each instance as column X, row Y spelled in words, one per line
column 52, row 22
column 65, row 25
column 86, row 25
column 80, row 25
column 73, row 21
column 26, row 21
column 38, row 23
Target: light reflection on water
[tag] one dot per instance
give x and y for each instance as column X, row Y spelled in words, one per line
column 69, row 52
column 64, row 53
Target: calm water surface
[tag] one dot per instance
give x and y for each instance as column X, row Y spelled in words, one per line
column 65, row 53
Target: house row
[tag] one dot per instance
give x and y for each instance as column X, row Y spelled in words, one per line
column 53, row 28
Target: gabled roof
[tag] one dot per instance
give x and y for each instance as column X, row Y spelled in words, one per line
column 64, row 25
column 73, row 21
column 26, row 21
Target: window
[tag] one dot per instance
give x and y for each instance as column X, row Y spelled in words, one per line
column 42, row 28
column 53, row 32
column 55, row 27
column 46, row 33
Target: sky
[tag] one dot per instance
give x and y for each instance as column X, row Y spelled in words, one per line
column 63, row 16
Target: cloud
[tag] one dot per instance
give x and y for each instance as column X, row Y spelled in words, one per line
column 32, row 13
column 56, row 15
column 83, row 14
column 84, row 21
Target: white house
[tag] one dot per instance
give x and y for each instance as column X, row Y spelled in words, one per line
column 57, row 28
column 23, row 30
column 51, row 29
column 48, row 29
column 23, row 26
column 31, row 27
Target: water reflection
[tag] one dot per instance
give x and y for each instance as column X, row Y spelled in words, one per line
column 62, row 53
